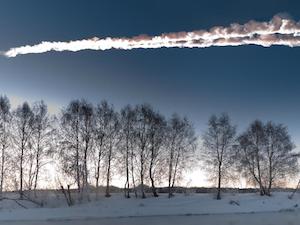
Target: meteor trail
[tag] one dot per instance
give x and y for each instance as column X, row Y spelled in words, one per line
column 278, row 31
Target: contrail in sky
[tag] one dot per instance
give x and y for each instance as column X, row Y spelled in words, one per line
column 278, row 31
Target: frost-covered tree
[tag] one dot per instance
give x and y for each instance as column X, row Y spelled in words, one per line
column 218, row 151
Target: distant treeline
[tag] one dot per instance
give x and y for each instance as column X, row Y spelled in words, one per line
column 89, row 143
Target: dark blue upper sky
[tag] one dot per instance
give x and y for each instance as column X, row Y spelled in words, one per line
column 248, row 82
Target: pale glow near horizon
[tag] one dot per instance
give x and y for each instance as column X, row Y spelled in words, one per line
column 192, row 178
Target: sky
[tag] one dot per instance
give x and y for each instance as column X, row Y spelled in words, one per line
column 248, row 82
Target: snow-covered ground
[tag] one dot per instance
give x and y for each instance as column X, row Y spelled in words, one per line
column 194, row 209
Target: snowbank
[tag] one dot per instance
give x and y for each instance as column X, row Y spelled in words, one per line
column 117, row 206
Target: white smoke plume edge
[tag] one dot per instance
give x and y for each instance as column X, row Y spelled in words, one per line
column 278, row 31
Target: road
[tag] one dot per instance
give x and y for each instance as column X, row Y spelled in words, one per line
column 282, row 218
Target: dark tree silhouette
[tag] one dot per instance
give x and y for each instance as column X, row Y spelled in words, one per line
column 43, row 138
column 107, row 137
column 218, row 151
column 142, row 140
column 86, row 130
column 69, row 142
column 23, row 126
column 5, row 136
column 180, row 148
column 127, row 120
column 266, row 154
column 156, row 138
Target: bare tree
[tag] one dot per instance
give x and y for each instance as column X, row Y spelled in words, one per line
column 70, row 143
column 133, row 154
column 5, row 135
column 142, row 140
column 86, row 131
column 77, row 139
column 42, row 138
column 266, row 154
column 106, row 133
column 113, row 139
column 282, row 160
column 23, row 126
column 218, row 151
column 101, row 124
column 30, row 163
column 156, row 139
column 127, row 120
column 180, row 147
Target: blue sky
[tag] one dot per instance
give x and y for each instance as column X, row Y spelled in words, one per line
column 248, row 82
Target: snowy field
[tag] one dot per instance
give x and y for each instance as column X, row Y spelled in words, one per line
column 182, row 209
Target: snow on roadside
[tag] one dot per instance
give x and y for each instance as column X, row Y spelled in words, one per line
column 194, row 204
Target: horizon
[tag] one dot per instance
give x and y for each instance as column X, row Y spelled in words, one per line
column 196, row 79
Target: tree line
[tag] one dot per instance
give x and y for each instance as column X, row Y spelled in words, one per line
column 263, row 154
column 92, row 142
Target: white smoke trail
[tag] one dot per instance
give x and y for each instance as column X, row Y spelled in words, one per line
column 278, row 31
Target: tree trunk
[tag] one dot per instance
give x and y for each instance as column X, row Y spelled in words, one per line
column 85, row 186
column 142, row 185
column 151, row 175
column 21, row 173
column 30, row 175
column 127, row 194
column 98, row 169
column 170, row 175
column 97, row 178
column 269, row 189
column 262, row 191
column 270, row 176
column 219, row 181
column 78, row 172
column 37, row 169
column 175, row 173
column 142, row 174
column 152, row 184
column 2, row 169
column 132, row 173
column 107, row 192
column 97, row 184
column 3, row 158
column 77, row 157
